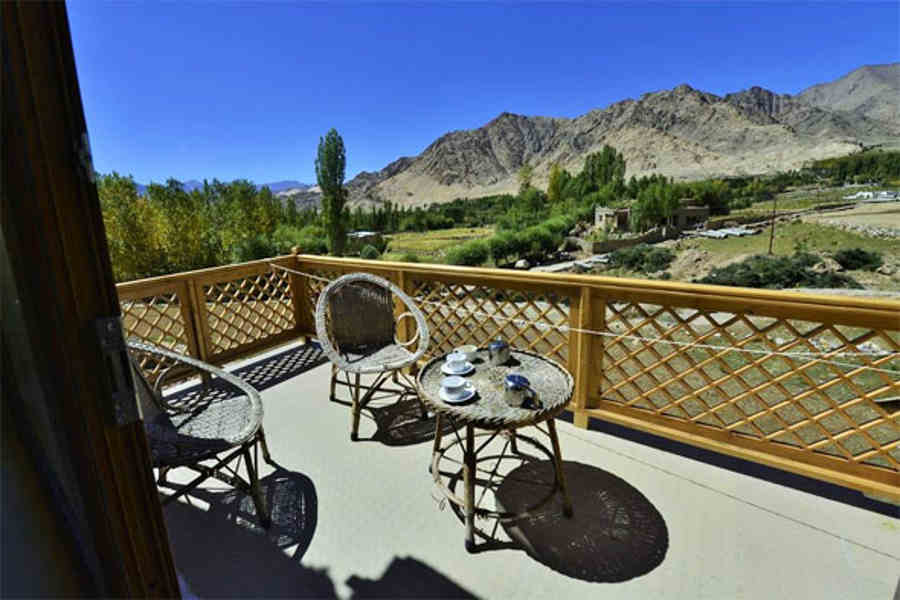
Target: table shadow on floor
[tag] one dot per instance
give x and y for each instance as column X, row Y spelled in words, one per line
column 616, row 533
column 224, row 552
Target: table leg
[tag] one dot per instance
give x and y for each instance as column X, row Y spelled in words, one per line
column 438, row 434
column 469, row 476
column 513, row 447
column 560, row 476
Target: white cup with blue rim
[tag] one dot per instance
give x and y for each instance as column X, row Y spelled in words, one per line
column 455, row 387
column 456, row 362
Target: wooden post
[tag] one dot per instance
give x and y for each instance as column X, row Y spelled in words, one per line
column 597, row 322
column 404, row 326
column 200, row 320
column 579, row 349
column 587, row 312
column 188, row 316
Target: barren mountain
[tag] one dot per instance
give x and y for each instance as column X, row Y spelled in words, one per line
column 872, row 91
column 683, row 133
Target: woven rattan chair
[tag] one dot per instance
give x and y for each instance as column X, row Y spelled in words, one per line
column 357, row 329
column 213, row 429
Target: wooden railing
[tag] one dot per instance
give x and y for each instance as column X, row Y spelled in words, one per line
column 750, row 373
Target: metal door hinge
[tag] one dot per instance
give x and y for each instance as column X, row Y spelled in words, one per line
column 122, row 403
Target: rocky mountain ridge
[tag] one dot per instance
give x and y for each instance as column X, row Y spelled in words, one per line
column 683, row 133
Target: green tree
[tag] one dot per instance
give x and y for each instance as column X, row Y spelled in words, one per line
column 290, row 212
column 132, row 229
column 557, row 184
column 331, row 161
column 526, row 173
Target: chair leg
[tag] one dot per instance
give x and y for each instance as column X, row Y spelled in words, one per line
column 334, row 375
column 259, row 501
column 162, row 479
column 265, row 446
column 354, row 427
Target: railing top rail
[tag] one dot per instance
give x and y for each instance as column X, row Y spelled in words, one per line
column 619, row 285
column 223, row 270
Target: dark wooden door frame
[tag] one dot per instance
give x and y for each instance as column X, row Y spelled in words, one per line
column 60, row 269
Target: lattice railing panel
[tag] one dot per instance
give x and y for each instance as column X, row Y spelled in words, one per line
column 248, row 309
column 460, row 314
column 316, row 286
column 156, row 319
column 806, row 402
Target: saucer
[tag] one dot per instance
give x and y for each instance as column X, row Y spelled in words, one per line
column 468, row 395
column 445, row 369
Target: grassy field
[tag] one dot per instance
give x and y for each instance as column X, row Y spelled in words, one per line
column 800, row 199
column 797, row 236
column 430, row 246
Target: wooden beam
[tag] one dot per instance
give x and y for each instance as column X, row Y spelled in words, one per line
column 54, row 236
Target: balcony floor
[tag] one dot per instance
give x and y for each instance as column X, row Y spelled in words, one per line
column 360, row 519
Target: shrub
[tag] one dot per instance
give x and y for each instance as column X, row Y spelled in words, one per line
column 560, row 225
column 471, row 254
column 502, row 246
column 643, row 258
column 658, row 259
column 857, row 258
column 309, row 240
column 540, row 240
column 778, row 272
column 369, row 252
column 254, row 248
column 409, row 257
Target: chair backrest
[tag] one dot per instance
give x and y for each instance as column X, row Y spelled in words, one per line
column 361, row 316
column 355, row 315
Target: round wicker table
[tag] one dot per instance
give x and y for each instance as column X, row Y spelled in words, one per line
column 488, row 410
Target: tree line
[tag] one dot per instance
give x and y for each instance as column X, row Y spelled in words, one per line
column 168, row 229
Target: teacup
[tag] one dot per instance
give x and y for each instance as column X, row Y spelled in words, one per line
column 456, row 362
column 469, row 350
column 454, row 386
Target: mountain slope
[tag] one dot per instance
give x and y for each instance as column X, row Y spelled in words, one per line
column 871, row 91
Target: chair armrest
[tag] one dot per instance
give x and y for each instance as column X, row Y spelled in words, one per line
column 245, row 388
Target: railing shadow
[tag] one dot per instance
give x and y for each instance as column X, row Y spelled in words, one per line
column 407, row 578
column 616, row 533
column 224, row 552
column 278, row 368
column 261, row 374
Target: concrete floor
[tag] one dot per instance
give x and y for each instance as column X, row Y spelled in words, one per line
column 361, row 519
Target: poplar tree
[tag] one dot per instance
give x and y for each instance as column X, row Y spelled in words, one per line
column 331, row 161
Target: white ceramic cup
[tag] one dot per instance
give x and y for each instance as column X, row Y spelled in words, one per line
column 469, row 350
column 454, row 386
column 456, row 361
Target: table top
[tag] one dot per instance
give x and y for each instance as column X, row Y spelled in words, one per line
column 550, row 380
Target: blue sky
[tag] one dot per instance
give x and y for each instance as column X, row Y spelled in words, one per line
column 229, row 90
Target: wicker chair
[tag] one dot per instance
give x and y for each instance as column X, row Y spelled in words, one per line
column 209, row 429
column 357, row 329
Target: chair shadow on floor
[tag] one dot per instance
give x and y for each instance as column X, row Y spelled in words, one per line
column 398, row 422
column 224, row 552
column 616, row 533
